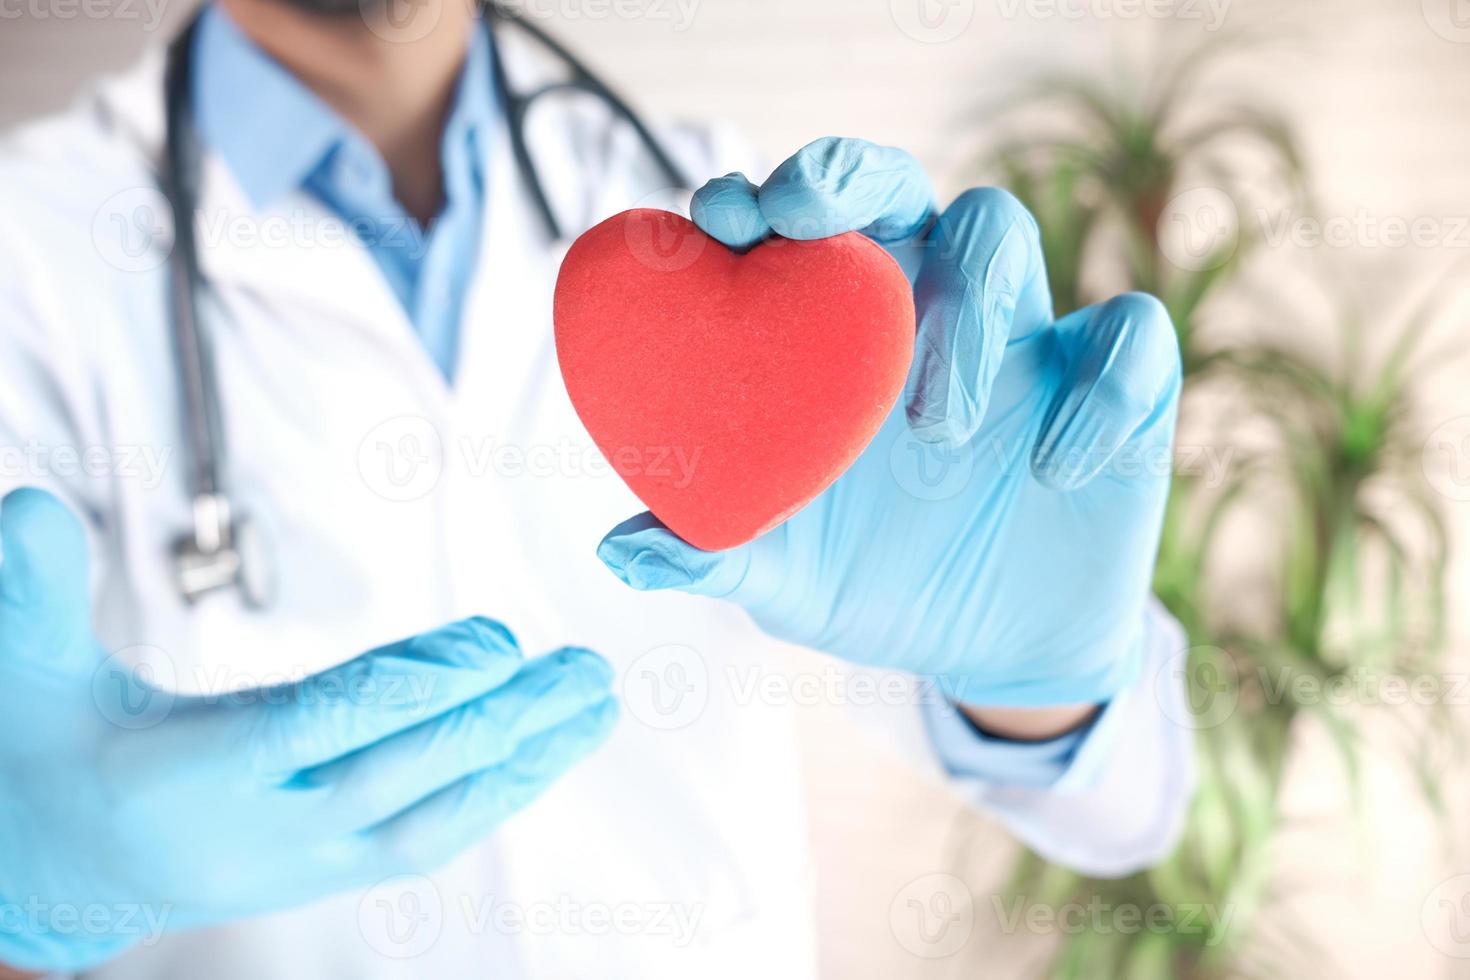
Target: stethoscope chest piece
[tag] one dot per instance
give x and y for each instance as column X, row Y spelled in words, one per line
column 223, row 551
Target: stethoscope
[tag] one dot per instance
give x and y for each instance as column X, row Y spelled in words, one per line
column 225, row 549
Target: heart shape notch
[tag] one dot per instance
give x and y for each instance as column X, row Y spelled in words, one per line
column 728, row 390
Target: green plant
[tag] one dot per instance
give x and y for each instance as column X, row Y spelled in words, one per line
column 1349, row 460
column 1346, row 458
column 1126, row 151
column 1337, row 487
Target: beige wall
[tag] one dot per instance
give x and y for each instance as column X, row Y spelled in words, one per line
column 1382, row 99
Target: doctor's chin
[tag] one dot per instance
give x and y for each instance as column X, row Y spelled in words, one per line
column 642, row 489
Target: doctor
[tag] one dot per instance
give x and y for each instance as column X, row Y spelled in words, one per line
column 221, row 782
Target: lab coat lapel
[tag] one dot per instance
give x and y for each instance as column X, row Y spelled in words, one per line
column 505, row 333
column 293, row 253
column 298, row 254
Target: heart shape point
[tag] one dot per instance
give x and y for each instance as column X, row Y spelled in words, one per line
column 728, row 390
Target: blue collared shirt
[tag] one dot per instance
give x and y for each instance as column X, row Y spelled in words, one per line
column 277, row 136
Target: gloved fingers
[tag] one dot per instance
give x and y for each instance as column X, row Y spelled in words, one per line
column 727, row 210
column 982, row 284
column 391, row 775
column 429, row 833
column 380, row 693
column 1123, row 380
column 45, row 599
column 649, row 557
column 835, row 185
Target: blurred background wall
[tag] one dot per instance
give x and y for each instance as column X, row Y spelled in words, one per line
column 1379, row 96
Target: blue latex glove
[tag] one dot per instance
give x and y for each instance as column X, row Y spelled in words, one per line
column 1001, row 539
column 118, row 798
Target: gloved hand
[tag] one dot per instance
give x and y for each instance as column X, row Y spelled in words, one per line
column 1001, row 539
column 115, row 798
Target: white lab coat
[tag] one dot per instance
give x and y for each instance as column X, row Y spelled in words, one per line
column 394, row 503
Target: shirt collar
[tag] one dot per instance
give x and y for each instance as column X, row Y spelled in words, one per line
column 273, row 132
column 474, row 106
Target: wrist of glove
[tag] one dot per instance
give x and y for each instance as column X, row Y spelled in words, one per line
column 998, row 535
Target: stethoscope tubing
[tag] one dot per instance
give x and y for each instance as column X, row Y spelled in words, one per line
column 179, row 178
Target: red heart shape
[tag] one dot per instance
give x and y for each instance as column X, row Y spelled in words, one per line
column 729, row 390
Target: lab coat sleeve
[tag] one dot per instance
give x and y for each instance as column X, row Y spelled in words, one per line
column 50, row 433
column 42, row 394
column 1105, row 801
